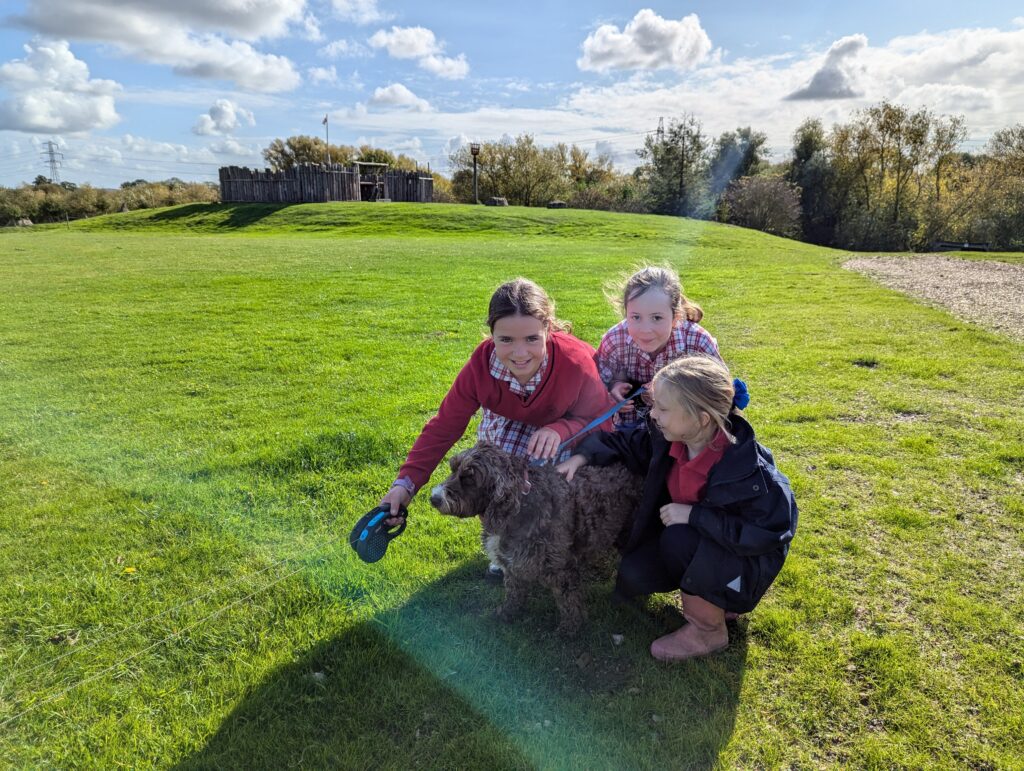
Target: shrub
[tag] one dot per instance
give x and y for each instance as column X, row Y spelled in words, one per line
column 763, row 203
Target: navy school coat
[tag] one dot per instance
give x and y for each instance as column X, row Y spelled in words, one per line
column 747, row 516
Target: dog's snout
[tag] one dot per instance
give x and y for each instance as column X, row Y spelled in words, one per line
column 437, row 496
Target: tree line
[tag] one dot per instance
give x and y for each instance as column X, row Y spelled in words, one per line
column 890, row 178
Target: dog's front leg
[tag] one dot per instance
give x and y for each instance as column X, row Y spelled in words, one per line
column 515, row 597
column 568, row 593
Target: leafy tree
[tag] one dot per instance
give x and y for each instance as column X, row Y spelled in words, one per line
column 518, row 169
column 736, row 154
column 584, row 172
column 369, row 154
column 398, row 162
column 1005, row 174
column 280, row 155
column 811, row 171
column 443, row 192
column 675, row 167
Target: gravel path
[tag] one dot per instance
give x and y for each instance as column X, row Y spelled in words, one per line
column 990, row 293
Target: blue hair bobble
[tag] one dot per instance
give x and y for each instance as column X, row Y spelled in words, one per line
column 741, row 397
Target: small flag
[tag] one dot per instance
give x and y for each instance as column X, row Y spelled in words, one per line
column 324, row 121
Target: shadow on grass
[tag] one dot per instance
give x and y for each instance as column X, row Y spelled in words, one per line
column 439, row 683
column 239, row 215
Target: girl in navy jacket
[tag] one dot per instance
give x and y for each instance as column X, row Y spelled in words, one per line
column 716, row 516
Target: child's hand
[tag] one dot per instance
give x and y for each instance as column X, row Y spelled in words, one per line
column 398, row 497
column 543, row 444
column 620, row 390
column 648, row 394
column 675, row 513
column 570, row 466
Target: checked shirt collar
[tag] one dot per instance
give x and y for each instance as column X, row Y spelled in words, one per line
column 674, row 347
column 500, row 372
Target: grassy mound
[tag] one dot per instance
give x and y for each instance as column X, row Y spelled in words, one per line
column 372, row 219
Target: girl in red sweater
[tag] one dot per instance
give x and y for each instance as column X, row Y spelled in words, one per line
column 537, row 384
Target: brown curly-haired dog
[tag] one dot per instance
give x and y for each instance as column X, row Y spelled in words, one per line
column 536, row 526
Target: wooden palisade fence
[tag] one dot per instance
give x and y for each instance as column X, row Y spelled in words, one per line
column 316, row 183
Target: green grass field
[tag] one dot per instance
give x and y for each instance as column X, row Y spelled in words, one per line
column 198, row 402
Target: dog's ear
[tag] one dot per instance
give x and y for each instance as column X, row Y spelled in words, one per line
column 456, row 460
column 509, row 480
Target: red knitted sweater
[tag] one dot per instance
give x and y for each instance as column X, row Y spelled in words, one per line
column 570, row 396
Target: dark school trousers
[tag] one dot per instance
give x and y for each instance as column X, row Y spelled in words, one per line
column 658, row 564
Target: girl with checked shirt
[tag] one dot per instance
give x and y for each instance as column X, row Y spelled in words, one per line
column 660, row 326
column 537, row 385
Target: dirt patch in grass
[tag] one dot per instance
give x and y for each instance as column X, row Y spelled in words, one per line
column 989, row 293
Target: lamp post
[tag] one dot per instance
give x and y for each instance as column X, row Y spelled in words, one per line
column 474, row 149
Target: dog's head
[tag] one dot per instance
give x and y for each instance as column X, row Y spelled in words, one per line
column 483, row 478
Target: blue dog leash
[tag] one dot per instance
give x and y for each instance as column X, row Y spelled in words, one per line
column 591, row 425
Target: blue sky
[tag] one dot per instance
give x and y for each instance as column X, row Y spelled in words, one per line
column 155, row 89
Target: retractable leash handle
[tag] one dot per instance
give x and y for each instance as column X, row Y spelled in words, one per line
column 371, row 535
column 592, row 425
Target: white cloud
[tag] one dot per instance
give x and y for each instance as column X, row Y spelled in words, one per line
column 355, row 82
column 411, row 146
column 191, row 36
column 647, row 42
column 101, row 154
column 223, row 117
column 231, row 146
column 837, row 78
column 360, row 11
column 420, row 43
column 245, row 19
column 949, row 98
column 311, row 28
column 406, row 42
column 49, row 91
column 454, row 144
column 319, row 75
column 344, row 49
column 445, row 66
column 235, row 61
column 151, row 148
column 397, row 95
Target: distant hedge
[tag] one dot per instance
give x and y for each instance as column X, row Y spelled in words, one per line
column 49, row 202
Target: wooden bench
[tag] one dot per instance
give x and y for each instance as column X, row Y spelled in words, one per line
column 960, row 246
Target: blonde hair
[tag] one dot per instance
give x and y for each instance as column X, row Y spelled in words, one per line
column 700, row 385
column 522, row 297
column 655, row 277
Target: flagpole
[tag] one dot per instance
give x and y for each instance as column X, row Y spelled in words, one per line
column 327, row 134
